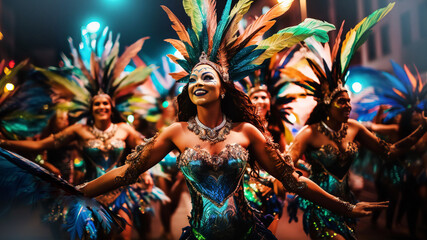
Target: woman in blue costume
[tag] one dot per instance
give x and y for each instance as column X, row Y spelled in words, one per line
column 404, row 94
column 218, row 133
column 330, row 140
column 106, row 135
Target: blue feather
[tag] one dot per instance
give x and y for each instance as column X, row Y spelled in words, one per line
column 25, row 182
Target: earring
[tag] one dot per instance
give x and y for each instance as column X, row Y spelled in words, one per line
column 222, row 96
column 327, row 118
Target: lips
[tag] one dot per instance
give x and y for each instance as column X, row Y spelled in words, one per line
column 200, row 92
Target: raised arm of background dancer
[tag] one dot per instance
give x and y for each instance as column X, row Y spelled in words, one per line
column 270, row 159
column 53, row 141
column 299, row 145
column 140, row 160
column 368, row 139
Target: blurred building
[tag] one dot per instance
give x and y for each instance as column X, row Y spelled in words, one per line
column 400, row 36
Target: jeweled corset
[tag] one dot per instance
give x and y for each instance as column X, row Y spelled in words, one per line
column 330, row 167
column 103, row 157
column 215, row 182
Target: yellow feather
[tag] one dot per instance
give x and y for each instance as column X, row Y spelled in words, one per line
column 276, row 11
column 276, row 43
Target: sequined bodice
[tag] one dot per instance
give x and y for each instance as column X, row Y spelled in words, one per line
column 331, row 160
column 102, row 156
column 215, row 182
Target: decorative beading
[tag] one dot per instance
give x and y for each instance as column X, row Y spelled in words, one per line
column 335, row 136
column 212, row 136
column 284, row 166
column 137, row 161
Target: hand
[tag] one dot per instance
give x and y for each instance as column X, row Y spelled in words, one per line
column 363, row 209
column 147, row 180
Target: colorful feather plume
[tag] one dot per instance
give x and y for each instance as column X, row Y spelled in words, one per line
column 237, row 55
column 25, row 104
column 157, row 91
column 96, row 67
column 276, row 84
column 331, row 66
column 404, row 91
column 24, row 182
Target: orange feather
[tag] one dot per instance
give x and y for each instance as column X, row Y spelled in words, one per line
column 178, row 45
column 125, row 58
column 177, row 25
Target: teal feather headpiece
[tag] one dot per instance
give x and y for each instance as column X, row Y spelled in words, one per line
column 235, row 56
column 95, row 68
column 330, row 66
column 25, row 103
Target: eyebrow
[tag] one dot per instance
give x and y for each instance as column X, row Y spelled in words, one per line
column 203, row 74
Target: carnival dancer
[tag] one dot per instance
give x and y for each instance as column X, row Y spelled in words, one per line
column 98, row 88
column 217, row 128
column 329, row 139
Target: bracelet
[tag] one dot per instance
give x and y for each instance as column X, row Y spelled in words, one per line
column 348, row 206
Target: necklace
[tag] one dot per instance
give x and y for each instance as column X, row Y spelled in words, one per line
column 213, row 135
column 335, row 136
column 106, row 134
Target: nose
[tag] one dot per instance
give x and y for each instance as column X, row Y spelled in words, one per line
column 199, row 82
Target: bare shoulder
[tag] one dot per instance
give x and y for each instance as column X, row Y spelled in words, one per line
column 354, row 124
column 77, row 128
column 175, row 128
column 245, row 127
column 308, row 130
column 125, row 126
column 249, row 130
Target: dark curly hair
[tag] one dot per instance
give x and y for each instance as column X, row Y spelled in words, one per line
column 236, row 105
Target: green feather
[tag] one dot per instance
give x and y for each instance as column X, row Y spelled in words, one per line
column 357, row 36
column 194, row 9
column 319, row 28
column 219, row 33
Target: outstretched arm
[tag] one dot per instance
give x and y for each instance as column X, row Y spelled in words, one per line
column 368, row 139
column 53, row 141
column 140, row 160
column 271, row 160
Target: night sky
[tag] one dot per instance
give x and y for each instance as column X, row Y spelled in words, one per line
column 39, row 25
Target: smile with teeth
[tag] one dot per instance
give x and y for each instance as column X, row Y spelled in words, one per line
column 200, row 92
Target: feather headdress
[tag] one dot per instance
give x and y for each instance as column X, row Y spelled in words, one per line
column 401, row 92
column 218, row 43
column 157, row 91
column 269, row 79
column 96, row 68
column 25, row 105
column 330, row 66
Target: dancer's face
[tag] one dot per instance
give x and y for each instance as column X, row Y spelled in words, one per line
column 61, row 120
column 262, row 102
column 340, row 107
column 101, row 108
column 204, row 85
